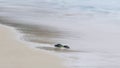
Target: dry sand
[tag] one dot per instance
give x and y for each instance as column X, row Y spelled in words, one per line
column 15, row 54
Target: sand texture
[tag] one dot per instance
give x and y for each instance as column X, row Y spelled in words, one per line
column 15, row 54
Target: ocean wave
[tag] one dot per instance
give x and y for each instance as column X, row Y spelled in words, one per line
column 68, row 5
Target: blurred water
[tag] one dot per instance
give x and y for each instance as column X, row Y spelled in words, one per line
column 90, row 27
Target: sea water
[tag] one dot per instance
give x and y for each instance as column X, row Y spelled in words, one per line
column 90, row 27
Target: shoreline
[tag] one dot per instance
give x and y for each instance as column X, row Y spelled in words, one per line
column 15, row 53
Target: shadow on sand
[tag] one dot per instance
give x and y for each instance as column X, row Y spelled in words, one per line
column 58, row 49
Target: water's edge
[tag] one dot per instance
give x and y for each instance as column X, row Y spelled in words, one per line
column 44, row 46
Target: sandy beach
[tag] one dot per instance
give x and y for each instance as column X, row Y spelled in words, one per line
column 15, row 54
column 31, row 28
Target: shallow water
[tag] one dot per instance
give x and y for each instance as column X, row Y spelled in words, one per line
column 89, row 27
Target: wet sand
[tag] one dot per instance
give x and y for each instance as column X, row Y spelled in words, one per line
column 37, row 33
column 15, row 54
